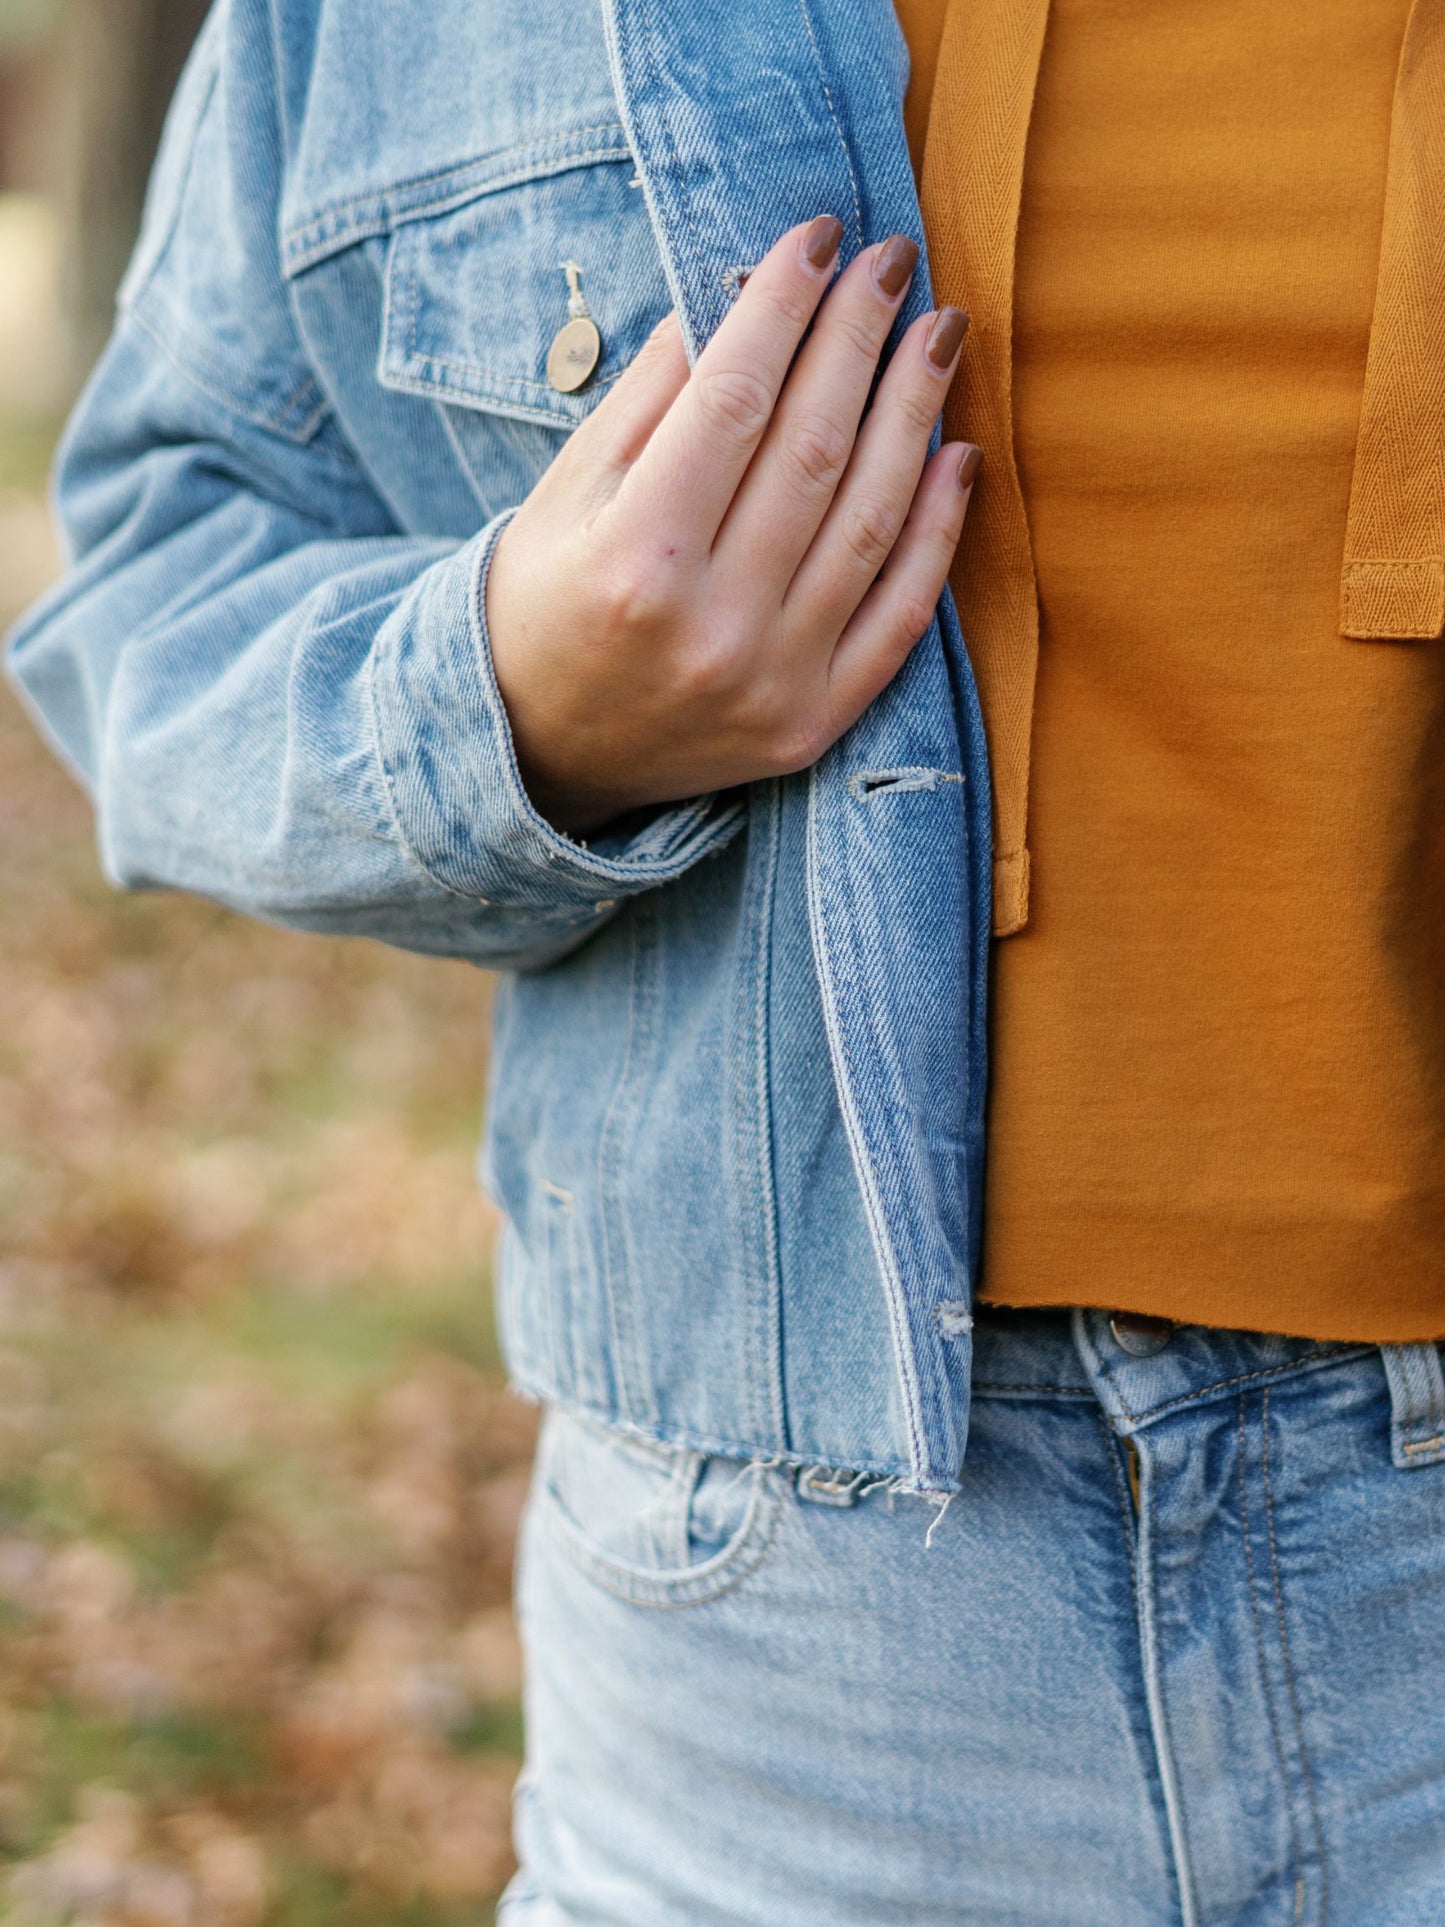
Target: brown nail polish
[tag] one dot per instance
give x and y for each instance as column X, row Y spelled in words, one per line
column 894, row 263
column 945, row 337
column 969, row 463
column 821, row 241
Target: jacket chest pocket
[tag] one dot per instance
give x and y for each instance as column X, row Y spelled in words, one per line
column 477, row 293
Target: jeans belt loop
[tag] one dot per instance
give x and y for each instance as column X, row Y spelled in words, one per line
column 1417, row 1403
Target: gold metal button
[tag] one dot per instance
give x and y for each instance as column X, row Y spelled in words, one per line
column 575, row 352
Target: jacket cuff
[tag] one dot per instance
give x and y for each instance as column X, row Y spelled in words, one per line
column 446, row 750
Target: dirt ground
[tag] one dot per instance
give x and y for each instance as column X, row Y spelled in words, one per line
column 258, row 1480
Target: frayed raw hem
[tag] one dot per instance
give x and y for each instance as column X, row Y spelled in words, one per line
column 879, row 1476
column 825, row 1485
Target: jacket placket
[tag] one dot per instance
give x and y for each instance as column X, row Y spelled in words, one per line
column 746, row 116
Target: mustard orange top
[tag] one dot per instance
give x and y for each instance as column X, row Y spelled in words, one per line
column 1219, row 1033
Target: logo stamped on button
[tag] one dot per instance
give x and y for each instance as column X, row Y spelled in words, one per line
column 1139, row 1335
column 577, row 345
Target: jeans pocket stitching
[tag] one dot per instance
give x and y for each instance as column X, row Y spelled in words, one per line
column 690, row 1586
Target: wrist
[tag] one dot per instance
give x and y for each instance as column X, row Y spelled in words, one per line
column 575, row 809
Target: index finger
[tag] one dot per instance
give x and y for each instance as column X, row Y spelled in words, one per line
column 690, row 470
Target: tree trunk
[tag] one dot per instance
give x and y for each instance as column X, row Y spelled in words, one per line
column 119, row 61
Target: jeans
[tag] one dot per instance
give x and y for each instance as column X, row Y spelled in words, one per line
column 1175, row 1653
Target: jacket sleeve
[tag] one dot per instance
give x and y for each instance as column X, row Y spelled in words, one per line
column 274, row 697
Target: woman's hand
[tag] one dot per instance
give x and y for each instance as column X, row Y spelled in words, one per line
column 722, row 568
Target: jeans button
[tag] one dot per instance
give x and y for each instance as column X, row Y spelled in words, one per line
column 1139, row 1336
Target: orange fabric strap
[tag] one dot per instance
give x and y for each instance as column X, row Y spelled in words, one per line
column 972, row 177
column 1393, row 580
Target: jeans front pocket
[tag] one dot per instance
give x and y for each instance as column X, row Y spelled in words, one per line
column 660, row 1525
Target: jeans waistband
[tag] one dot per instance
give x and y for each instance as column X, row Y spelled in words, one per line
column 1075, row 1353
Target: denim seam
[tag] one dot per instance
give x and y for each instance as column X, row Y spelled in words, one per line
column 1157, row 1698
column 1266, row 1685
column 378, row 736
column 663, row 211
column 808, row 22
column 303, row 400
column 771, row 1336
column 1297, row 1365
column 1311, row 1792
column 212, row 383
column 286, row 129
column 984, row 1387
column 150, row 254
column 306, row 243
column 465, row 383
column 388, row 786
column 673, row 1592
column 488, row 393
column 903, row 1349
column 611, row 1159
column 713, row 1447
column 624, row 1305
column 1126, row 1510
column 444, row 414
column 1130, row 1521
column 677, row 1499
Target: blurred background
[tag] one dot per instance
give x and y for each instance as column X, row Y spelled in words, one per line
column 259, row 1481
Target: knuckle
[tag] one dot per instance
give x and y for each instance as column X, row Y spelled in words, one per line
column 912, row 617
column 639, row 589
column 789, row 301
column 791, row 732
column 713, row 663
column 919, row 410
column 858, row 334
column 658, row 345
column 709, row 673
column 734, row 402
column 869, row 529
column 818, row 448
column 798, row 744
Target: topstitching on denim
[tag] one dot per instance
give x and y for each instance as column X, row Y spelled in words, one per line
column 1266, row 1683
column 1313, row 1362
column 316, row 235
column 1291, row 1684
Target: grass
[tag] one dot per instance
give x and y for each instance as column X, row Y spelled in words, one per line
column 259, row 1480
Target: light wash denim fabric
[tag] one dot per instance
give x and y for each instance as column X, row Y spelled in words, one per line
column 760, row 1698
column 736, row 1122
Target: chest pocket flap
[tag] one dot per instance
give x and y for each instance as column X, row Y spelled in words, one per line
column 476, row 294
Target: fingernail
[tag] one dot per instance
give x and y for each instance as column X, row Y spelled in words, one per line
column 821, row 241
column 969, row 463
column 945, row 337
column 894, row 263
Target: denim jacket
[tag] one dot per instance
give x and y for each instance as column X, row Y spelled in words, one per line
column 736, row 1117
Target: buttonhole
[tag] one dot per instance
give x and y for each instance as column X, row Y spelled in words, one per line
column 865, row 784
